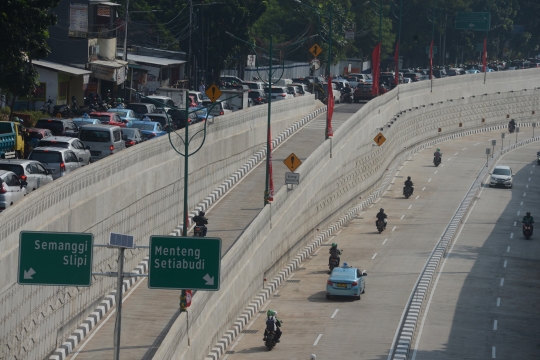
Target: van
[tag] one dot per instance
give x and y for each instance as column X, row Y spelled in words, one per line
column 102, row 140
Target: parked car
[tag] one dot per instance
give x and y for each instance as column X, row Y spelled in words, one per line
column 501, row 176
column 141, row 108
column 302, row 88
column 59, row 127
column 60, row 161
column 132, row 136
column 126, row 115
column 230, row 79
column 73, row 144
column 108, row 118
column 102, row 140
column 362, row 78
column 198, row 97
column 150, row 129
column 346, row 281
column 202, row 114
column 12, row 189
column 31, row 171
column 258, row 97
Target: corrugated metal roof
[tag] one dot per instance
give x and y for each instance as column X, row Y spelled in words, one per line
column 141, row 59
column 62, row 68
column 114, row 64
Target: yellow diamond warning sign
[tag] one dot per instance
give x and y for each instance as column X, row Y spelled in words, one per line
column 292, row 162
column 213, row 93
column 379, row 139
column 315, row 50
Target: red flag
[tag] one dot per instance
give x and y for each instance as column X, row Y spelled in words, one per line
column 484, row 55
column 396, row 61
column 271, row 181
column 329, row 109
column 375, row 69
column 431, row 60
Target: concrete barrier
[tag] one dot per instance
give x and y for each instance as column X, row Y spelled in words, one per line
column 333, row 177
column 138, row 191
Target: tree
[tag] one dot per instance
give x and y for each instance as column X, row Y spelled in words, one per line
column 24, row 27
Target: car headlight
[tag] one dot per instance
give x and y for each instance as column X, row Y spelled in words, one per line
column 493, row 178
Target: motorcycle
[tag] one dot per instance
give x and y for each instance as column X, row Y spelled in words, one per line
column 437, row 161
column 511, row 128
column 46, row 108
column 380, row 226
column 538, row 158
column 527, row 230
column 198, row 231
column 333, row 262
column 63, row 110
column 269, row 342
column 346, row 97
column 407, row 191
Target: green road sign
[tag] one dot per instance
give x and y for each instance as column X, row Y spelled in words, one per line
column 434, row 50
column 476, row 21
column 51, row 258
column 178, row 262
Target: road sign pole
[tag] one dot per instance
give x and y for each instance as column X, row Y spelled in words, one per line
column 268, row 136
column 118, row 326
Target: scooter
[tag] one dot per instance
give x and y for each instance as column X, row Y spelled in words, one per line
column 380, row 226
column 46, row 108
column 198, row 231
column 346, row 97
column 437, row 161
column 407, row 191
column 527, row 230
column 538, row 158
column 511, row 128
column 269, row 342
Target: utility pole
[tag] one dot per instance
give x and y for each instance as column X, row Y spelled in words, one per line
column 125, row 47
column 189, row 65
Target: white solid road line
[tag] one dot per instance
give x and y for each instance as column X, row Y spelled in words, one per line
column 498, row 301
column 371, row 206
column 494, row 324
column 339, row 232
column 319, row 249
column 334, row 314
column 429, row 180
column 511, row 235
column 290, row 276
column 402, row 216
column 417, row 196
column 493, row 353
column 505, row 262
column 373, row 257
column 508, row 249
column 424, row 188
column 317, row 341
column 409, row 208
column 394, row 228
column 385, row 240
column 502, row 281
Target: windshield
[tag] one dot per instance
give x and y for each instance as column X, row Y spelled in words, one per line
column 144, row 126
column 103, row 118
column 17, row 169
column 128, row 132
column 46, row 157
column 94, row 136
column 501, row 172
column 278, row 91
column 53, row 143
column 5, row 128
column 121, row 113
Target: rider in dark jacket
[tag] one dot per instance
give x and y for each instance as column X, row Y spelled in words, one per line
column 408, row 183
column 381, row 216
column 334, row 253
column 200, row 220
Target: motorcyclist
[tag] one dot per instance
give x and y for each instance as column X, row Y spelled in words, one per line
column 408, row 183
column 273, row 324
column 334, row 253
column 528, row 219
column 381, row 216
column 347, row 91
column 200, row 220
column 512, row 125
column 438, row 153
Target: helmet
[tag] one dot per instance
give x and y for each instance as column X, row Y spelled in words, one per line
column 201, row 213
column 119, row 99
column 408, row 178
column 528, row 213
column 438, row 149
column 382, row 210
column 334, row 245
column 270, row 312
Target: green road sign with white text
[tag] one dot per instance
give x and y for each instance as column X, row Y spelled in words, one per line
column 178, row 262
column 52, row 258
column 475, row 21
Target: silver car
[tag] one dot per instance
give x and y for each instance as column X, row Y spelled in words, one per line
column 73, row 144
column 31, row 171
column 12, row 189
column 61, row 161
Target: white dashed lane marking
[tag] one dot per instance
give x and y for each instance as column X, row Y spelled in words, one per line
column 402, row 216
column 409, row 208
column 334, row 314
column 373, row 257
column 384, row 242
column 508, row 249
column 394, row 228
column 505, row 262
column 498, row 301
column 502, row 281
column 317, row 341
column 494, row 324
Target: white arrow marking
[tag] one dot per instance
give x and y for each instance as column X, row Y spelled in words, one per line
column 28, row 274
column 209, row 280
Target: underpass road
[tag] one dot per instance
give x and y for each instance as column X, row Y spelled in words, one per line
column 393, row 260
column 485, row 303
column 148, row 313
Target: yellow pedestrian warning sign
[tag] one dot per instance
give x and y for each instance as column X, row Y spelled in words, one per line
column 379, row 139
column 315, row 50
column 292, row 162
column 213, row 93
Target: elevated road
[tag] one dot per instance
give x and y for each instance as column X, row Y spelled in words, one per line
column 347, row 329
column 148, row 314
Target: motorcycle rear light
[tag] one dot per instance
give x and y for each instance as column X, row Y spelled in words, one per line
column 354, row 283
column 329, row 283
column 62, row 167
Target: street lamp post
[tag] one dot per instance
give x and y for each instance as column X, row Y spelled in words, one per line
column 401, row 13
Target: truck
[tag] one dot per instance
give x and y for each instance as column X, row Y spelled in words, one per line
column 11, row 140
column 236, row 99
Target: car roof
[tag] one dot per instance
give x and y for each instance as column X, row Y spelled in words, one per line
column 138, row 104
column 98, row 126
column 101, row 113
column 5, row 172
column 85, row 119
column 54, row 119
column 342, row 272
column 152, row 114
column 502, row 167
column 16, row 161
column 158, row 97
column 37, row 130
column 59, row 138
column 144, row 122
column 50, row 148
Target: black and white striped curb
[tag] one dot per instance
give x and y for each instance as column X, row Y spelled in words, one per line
column 226, row 340
column 413, row 309
column 91, row 321
column 109, row 301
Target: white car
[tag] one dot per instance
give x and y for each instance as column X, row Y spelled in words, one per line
column 281, row 93
column 73, row 144
column 31, row 171
column 12, row 189
column 501, row 176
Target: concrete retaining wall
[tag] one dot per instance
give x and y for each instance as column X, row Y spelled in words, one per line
column 138, row 191
column 333, row 177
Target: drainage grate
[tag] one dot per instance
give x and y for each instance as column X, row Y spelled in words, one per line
column 262, row 312
column 229, row 352
column 277, row 295
column 302, row 268
column 294, row 281
column 250, row 331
